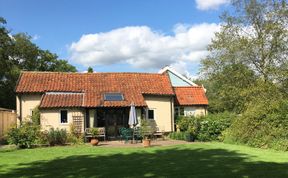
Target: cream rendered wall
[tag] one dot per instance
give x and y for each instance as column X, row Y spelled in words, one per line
column 194, row 111
column 17, row 105
column 163, row 111
column 50, row 118
column 18, row 109
column 29, row 102
column 91, row 117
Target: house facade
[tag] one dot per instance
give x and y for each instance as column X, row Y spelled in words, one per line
column 190, row 99
column 103, row 99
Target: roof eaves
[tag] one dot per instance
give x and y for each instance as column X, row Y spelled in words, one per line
column 158, row 94
column 83, row 98
column 17, row 82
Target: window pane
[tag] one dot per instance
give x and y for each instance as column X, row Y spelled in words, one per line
column 176, row 111
column 64, row 117
column 181, row 111
column 113, row 97
column 31, row 112
column 150, row 114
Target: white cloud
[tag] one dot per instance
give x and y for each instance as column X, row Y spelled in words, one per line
column 180, row 67
column 35, row 37
column 210, row 4
column 142, row 47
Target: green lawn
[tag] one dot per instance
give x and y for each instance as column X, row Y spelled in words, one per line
column 190, row 160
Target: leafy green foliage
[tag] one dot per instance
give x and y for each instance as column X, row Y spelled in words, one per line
column 180, row 136
column 57, row 136
column 90, row 70
column 189, row 124
column 19, row 53
column 24, row 136
column 225, row 89
column 251, row 47
column 264, row 125
column 75, row 136
column 36, row 116
column 206, row 128
column 94, row 132
column 148, row 127
column 246, row 72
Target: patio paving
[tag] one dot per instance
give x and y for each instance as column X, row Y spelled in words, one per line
column 153, row 143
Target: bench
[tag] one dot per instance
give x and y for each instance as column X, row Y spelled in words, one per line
column 101, row 133
column 159, row 133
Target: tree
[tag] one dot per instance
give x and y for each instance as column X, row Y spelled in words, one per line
column 90, row 70
column 225, row 89
column 247, row 72
column 255, row 38
column 17, row 52
column 48, row 61
column 7, row 68
column 5, row 44
column 61, row 65
column 31, row 58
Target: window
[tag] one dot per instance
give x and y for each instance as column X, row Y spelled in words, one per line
column 31, row 112
column 150, row 114
column 63, row 116
column 189, row 111
column 176, row 111
column 113, row 97
column 181, row 111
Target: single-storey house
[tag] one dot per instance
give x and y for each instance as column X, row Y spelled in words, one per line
column 103, row 99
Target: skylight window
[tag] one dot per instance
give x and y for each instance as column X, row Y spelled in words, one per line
column 113, row 97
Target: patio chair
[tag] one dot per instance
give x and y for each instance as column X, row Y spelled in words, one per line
column 126, row 134
column 121, row 130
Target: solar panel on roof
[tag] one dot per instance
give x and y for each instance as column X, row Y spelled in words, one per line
column 113, row 97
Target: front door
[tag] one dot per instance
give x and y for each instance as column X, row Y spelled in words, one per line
column 110, row 118
column 115, row 119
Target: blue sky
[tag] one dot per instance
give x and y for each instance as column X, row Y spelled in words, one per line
column 113, row 35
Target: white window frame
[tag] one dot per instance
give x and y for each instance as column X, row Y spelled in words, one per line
column 64, row 123
column 31, row 112
column 190, row 111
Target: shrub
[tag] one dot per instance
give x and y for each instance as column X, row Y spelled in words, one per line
column 42, row 138
column 213, row 126
column 36, row 116
column 181, row 136
column 94, row 132
column 264, row 124
column 206, row 128
column 57, row 136
column 148, row 127
column 75, row 137
column 75, row 140
column 24, row 136
column 189, row 124
column 177, row 135
column 183, row 123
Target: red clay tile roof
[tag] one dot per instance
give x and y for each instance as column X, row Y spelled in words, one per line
column 94, row 85
column 54, row 100
column 186, row 96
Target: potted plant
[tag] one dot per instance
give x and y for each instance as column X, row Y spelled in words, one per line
column 147, row 131
column 94, row 133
